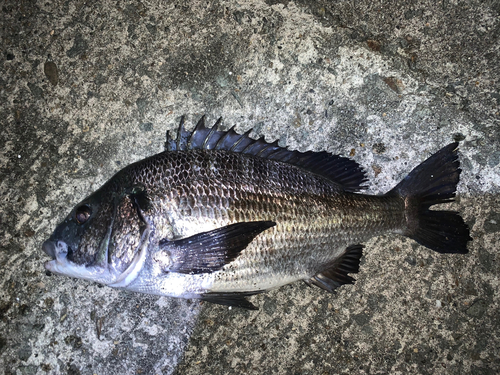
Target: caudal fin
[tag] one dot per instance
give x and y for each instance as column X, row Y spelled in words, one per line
column 434, row 182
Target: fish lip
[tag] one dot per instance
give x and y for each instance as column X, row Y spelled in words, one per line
column 51, row 266
column 49, row 248
column 58, row 251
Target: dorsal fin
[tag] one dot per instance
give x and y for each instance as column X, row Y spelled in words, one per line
column 343, row 171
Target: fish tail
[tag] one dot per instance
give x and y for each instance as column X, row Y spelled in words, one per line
column 434, row 182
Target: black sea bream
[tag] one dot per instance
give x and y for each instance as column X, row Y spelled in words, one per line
column 220, row 216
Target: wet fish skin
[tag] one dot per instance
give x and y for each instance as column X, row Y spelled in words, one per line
column 219, row 216
column 305, row 233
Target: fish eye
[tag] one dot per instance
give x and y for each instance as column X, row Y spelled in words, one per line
column 82, row 214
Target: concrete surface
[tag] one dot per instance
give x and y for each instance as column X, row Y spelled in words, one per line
column 89, row 87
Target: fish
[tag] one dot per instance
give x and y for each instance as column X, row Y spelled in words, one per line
column 219, row 216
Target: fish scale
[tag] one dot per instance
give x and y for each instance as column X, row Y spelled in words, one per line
column 220, row 216
column 327, row 218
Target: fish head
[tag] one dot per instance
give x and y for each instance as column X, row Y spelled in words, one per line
column 99, row 239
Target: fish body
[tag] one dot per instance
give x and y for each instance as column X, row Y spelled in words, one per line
column 219, row 216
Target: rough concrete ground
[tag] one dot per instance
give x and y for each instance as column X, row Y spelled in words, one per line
column 89, row 87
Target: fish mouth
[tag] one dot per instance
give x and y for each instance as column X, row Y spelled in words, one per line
column 49, row 248
column 61, row 265
column 58, row 251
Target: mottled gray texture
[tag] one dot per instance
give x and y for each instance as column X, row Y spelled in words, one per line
column 86, row 88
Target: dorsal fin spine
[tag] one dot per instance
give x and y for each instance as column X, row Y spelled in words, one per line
column 261, row 152
column 200, row 126
column 207, row 139
column 214, row 130
column 179, row 135
column 223, row 138
column 243, row 136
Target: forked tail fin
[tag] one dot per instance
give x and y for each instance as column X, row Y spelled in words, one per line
column 434, row 182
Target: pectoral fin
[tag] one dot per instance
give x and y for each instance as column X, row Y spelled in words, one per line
column 209, row 251
column 231, row 299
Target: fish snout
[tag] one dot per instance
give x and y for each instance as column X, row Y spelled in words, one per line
column 54, row 248
column 49, row 248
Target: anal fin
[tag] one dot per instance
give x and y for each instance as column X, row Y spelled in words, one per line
column 337, row 273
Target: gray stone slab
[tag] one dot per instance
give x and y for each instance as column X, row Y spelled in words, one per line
column 89, row 87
